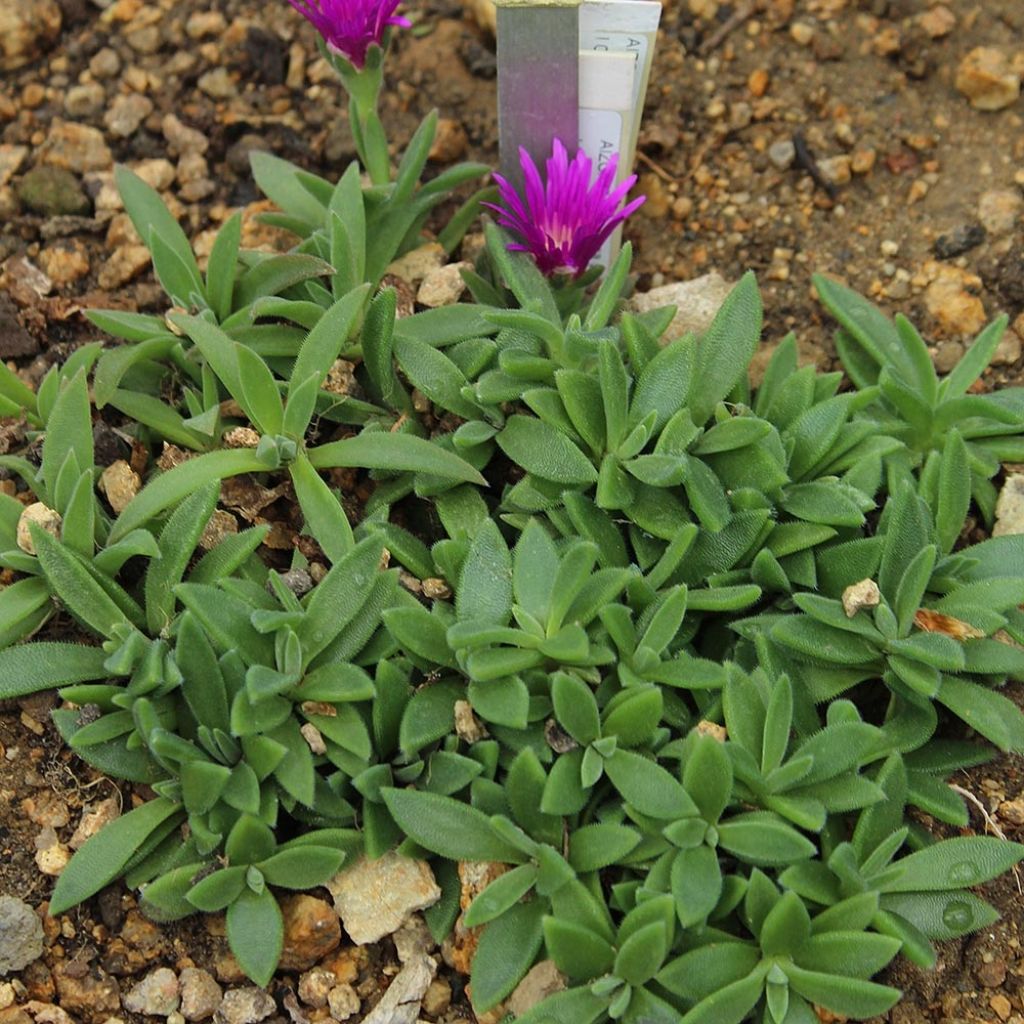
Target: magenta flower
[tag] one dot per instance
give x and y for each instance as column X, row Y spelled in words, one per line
column 350, row 27
column 564, row 224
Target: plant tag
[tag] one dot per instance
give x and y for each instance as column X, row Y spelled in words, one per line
column 606, row 118
column 538, row 79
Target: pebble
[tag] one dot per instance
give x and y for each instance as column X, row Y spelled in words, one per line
column 992, row 974
column 203, row 24
column 44, row 517
column 862, row 161
column 413, row 939
column 1012, row 811
column 94, row 817
column 782, row 154
column 65, row 264
column 181, row 138
column 987, row 78
column 836, row 170
column 1002, row 1006
column 105, row 63
column 28, row 28
column 91, row 991
column 315, row 985
column 401, row 1003
column 218, row 83
column 961, row 239
column 84, row 100
column 120, row 483
column 1008, row 351
column 937, row 21
column 157, row 173
column 450, row 142
column 128, row 261
column 415, row 265
column 157, row 995
column 343, row 1002
column 542, row 980
column 11, row 159
column 244, row 1006
column 1010, row 515
column 200, row 994
column 374, row 897
column 46, row 810
column 21, row 934
column 999, row 210
column 957, row 310
column 75, row 147
column 696, row 302
column 52, row 855
column 443, row 286
column 53, row 192
column 801, row 33
column 311, row 931
column 126, row 114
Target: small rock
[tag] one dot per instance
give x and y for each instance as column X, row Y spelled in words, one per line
column 1012, row 811
column 126, row 113
column 44, row 517
column 11, row 159
column 1010, row 507
column 696, row 302
column 157, row 995
column 801, row 33
column 1002, row 1006
column 937, row 21
column 950, row 299
column 961, row 239
column 128, row 261
column 415, row 265
column 21, row 935
column 991, row 975
column 862, row 161
column 413, row 939
column 202, row 24
column 181, row 138
column 84, row 100
column 542, row 980
column 200, row 994
column 374, row 897
column 836, row 170
column 218, row 83
column 157, row 173
column 244, row 1006
column 7, row 995
column 311, row 931
column 65, row 264
column 947, row 354
column 443, row 286
column 861, row 595
column 1008, row 351
column 91, row 991
column 120, row 483
column 315, row 985
column 999, row 209
column 450, row 142
column 343, row 1002
column 987, row 78
column 782, row 154
column 28, row 29
column 53, row 192
column 52, row 855
column 401, row 1003
column 46, row 810
column 105, row 63
column 94, row 817
column 75, row 147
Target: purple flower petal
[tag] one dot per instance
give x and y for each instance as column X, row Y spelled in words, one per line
column 351, row 27
column 564, row 221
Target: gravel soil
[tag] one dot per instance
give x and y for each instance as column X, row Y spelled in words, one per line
column 787, row 136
